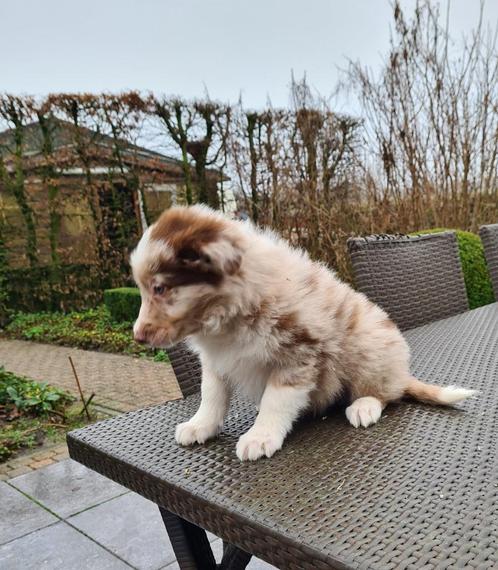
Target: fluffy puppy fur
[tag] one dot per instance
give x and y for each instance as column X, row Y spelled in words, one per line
column 270, row 323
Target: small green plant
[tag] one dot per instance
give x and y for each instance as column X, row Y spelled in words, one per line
column 475, row 271
column 123, row 304
column 29, row 411
column 161, row 356
column 34, row 398
column 12, row 440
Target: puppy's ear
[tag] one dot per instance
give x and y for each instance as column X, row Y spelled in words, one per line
column 194, row 258
column 220, row 257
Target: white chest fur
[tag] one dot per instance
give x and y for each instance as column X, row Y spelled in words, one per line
column 240, row 362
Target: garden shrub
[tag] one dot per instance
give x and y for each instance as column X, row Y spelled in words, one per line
column 33, row 289
column 123, row 303
column 475, row 271
column 93, row 329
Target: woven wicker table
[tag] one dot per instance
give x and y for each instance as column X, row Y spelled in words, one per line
column 418, row 490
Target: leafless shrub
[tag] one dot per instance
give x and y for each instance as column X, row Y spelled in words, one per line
column 431, row 123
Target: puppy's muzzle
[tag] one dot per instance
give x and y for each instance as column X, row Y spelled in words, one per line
column 157, row 337
column 142, row 332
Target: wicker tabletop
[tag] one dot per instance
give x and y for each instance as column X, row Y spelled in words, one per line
column 418, row 490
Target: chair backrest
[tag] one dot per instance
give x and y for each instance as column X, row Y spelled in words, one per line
column 489, row 238
column 416, row 279
column 187, row 368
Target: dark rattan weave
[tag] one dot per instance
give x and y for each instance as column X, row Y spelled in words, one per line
column 417, row 490
column 187, row 368
column 416, row 279
column 489, row 238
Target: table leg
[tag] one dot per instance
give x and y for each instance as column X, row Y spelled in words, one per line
column 190, row 543
column 234, row 558
column 192, row 548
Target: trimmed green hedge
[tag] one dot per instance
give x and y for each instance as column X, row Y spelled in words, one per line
column 123, row 303
column 475, row 271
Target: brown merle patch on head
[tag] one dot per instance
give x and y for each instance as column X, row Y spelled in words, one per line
column 175, row 274
column 186, row 231
column 201, row 250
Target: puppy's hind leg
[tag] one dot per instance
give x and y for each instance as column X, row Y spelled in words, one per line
column 364, row 411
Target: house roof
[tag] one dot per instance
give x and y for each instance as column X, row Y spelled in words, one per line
column 63, row 137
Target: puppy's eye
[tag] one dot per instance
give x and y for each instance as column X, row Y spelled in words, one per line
column 158, row 289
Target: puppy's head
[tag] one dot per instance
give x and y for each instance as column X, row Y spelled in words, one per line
column 183, row 265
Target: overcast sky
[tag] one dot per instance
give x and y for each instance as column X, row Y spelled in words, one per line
column 184, row 46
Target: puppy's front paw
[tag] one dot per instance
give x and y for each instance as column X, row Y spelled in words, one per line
column 195, row 432
column 257, row 443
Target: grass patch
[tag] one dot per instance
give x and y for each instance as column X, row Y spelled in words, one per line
column 93, row 329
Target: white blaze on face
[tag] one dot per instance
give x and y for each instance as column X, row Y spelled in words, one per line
column 146, row 256
column 144, row 259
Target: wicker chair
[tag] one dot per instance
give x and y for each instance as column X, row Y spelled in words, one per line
column 416, row 279
column 187, row 368
column 489, row 238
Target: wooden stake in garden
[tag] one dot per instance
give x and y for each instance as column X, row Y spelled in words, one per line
column 85, row 403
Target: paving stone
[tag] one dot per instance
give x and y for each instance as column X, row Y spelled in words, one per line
column 34, row 459
column 20, row 515
column 16, row 462
column 257, row 564
column 217, row 546
column 44, row 455
column 67, row 487
column 41, row 463
column 57, row 547
column 131, row 527
column 20, row 471
column 61, row 456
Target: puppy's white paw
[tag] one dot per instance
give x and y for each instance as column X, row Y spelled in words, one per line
column 192, row 432
column 258, row 443
column 364, row 411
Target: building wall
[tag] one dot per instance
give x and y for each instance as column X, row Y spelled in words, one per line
column 161, row 196
column 76, row 238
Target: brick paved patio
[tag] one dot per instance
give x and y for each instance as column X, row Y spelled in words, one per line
column 121, row 383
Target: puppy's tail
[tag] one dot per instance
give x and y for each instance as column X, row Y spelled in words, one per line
column 442, row 395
